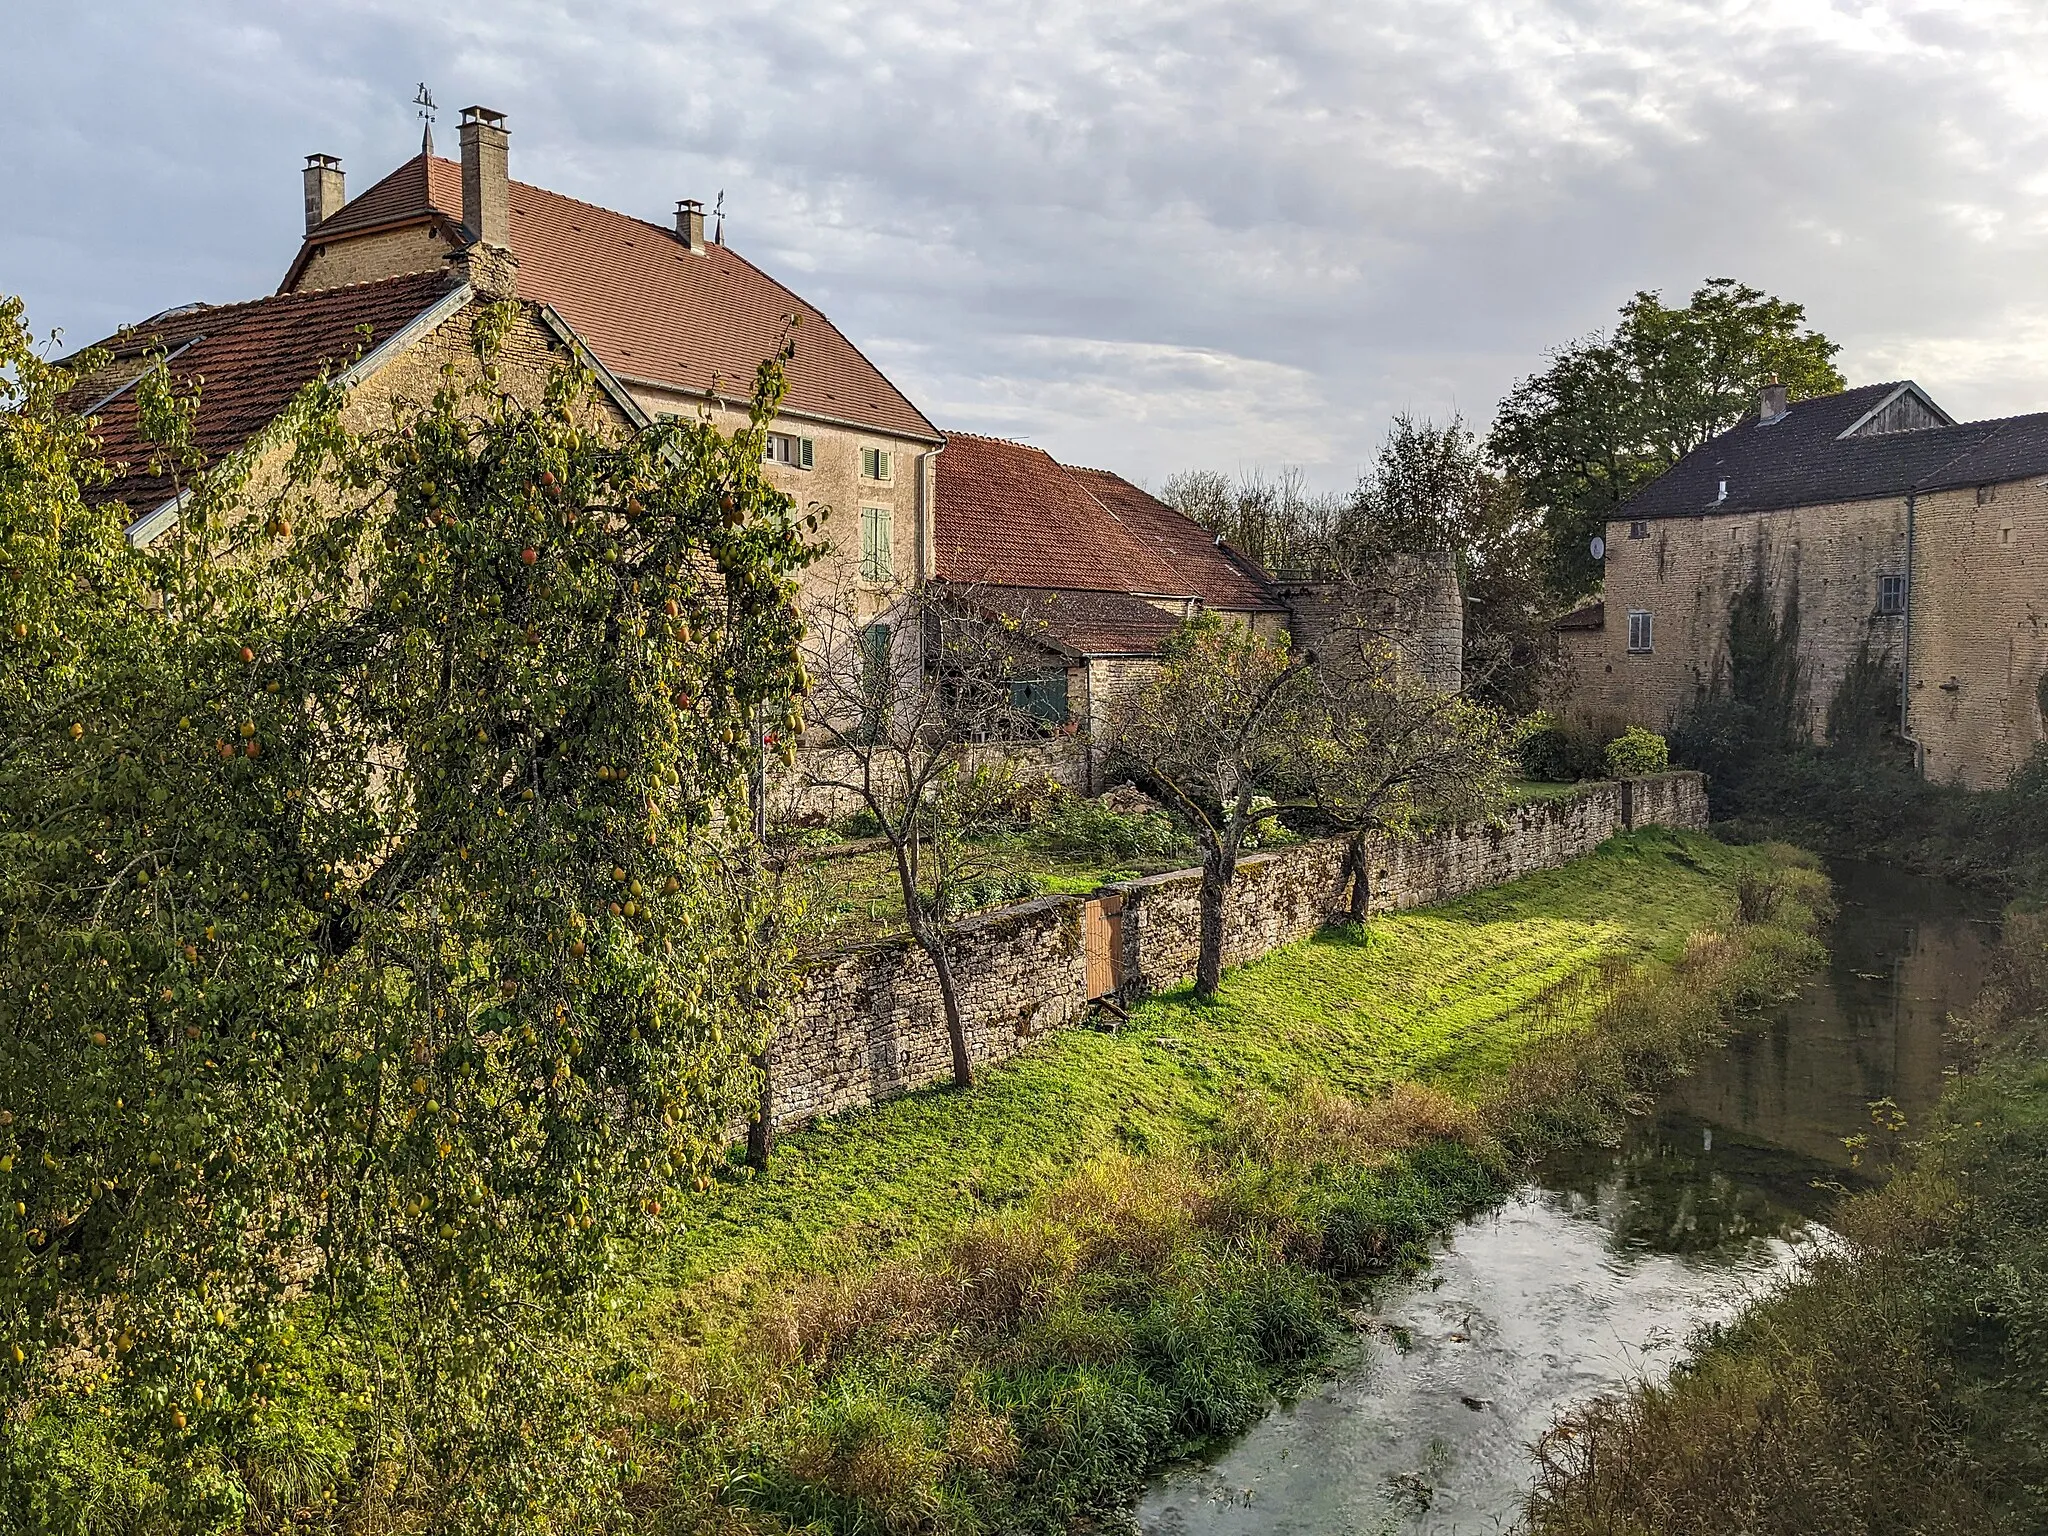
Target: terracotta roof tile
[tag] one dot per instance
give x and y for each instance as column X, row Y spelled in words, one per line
column 1013, row 516
column 250, row 359
column 647, row 306
column 1083, row 623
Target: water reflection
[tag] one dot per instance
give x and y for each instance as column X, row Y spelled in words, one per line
column 1600, row 1268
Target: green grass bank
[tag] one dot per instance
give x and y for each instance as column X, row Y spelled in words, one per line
column 1001, row 1310
column 1902, row 1384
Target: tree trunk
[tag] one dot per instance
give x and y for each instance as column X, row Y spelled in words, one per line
column 1218, row 866
column 1360, row 860
column 933, row 942
column 761, row 1134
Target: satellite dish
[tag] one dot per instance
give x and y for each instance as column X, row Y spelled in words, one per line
column 1599, row 547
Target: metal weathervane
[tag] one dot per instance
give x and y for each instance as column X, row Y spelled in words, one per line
column 425, row 102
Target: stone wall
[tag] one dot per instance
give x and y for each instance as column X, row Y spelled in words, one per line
column 870, row 1025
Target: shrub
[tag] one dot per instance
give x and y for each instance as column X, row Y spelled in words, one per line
column 995, row 798
column 1556, row 752
column 1075, row 825
column 1635, row 752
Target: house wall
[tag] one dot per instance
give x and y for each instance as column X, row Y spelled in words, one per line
column 366, row 258
column 835, row 489
column 869, row 1023
column 1980, row 603
column 1687, row 572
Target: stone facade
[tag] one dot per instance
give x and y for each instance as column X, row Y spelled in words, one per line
column 870, row 1026
column 1423, row 608
column 1687, row 572
column 366, row 258
column 1974, row 692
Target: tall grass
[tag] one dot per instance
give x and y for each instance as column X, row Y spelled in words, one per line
column 1902, row 1383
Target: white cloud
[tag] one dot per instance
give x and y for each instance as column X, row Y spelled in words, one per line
column 1146, row 234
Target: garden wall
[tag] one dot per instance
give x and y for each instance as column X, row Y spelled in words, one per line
column 869, row 1024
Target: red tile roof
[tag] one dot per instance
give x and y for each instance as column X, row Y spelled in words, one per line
column 649, row 307
column 1013, row 516
column 1083, row 623
column 250, row 359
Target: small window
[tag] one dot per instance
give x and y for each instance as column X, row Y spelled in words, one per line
column 1891, row 594
column 797, row 452
column 877, row 544
column 1639, row 635
column 1986, row 494
column 877, row 464
column 1639, row 530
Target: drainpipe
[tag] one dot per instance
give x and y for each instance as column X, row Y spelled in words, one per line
column 928, row 494
column 1906, row 660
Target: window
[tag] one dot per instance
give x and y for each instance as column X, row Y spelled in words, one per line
column 1639, row 530
column 1638, row 629
column 1040, row 698
column 1986, row 494
column 1891, row 594
column 877, row 464
column 877, row 544
column 797, row 452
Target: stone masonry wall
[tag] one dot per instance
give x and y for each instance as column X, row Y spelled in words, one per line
column 870, row 1024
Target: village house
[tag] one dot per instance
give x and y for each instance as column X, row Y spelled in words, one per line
column 1892, row 538
column 675, row 316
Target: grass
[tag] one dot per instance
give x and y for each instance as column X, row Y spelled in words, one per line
column 999, row 1310
column 1902, row 1384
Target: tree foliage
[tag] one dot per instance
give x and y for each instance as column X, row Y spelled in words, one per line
column 368, row 960
column 1611, row 413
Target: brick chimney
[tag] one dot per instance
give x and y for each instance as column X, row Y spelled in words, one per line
column 690, row 224
column 325, row 192
column 1770, row 403
column 486, row 195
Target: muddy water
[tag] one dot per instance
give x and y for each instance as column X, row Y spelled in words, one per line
column 1597, row 1271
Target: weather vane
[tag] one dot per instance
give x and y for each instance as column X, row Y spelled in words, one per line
column 425, row 102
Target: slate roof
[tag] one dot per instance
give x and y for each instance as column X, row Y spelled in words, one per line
column 249, row 359
column 1801, row 459
column 1588, row 616
column 1010, row 515
column 649, row 307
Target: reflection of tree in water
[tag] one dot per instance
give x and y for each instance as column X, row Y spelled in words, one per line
column 1766, row 1134
column 1676, row 1186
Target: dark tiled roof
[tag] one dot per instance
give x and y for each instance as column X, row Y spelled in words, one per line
column 1082, row 624
column 1590, row 616
column 1802, row 460
column 249, row 360
column 647, row 306
column 1013, row 516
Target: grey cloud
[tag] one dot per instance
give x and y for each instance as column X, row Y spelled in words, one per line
column 1141, row 235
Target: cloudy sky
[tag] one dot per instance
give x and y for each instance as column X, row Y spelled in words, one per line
column 1224, row 233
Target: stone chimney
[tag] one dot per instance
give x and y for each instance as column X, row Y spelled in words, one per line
column 690, row 224
column 1770, row 403
column 486, row 195
column 325, row 192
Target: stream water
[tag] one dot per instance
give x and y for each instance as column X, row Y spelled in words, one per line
column 1598, row 1271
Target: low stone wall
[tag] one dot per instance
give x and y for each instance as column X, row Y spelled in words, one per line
column 870, row 1025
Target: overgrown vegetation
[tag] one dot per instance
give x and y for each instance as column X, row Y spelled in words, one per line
column 1902, row 1384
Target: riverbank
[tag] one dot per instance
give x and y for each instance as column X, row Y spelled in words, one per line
column 1002, row 1309
column 1903, row 1383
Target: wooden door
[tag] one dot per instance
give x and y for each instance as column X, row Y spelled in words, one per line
column 1102, row 943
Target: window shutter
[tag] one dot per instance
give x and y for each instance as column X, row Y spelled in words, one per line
column 883, row 463
column 885, row 543
column 808, row 446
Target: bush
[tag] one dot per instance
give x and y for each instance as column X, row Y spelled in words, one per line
column 1635, row 752
column 995, row 798
column 1075, row 825
column 1555, row 752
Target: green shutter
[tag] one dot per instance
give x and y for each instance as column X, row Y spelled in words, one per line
column 807, row 447
column 877, row 540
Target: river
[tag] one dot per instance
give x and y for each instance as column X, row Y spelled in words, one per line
column 1600, row 1268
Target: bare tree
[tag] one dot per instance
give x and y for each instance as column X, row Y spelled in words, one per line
column 1220, row 719
column 903, row 683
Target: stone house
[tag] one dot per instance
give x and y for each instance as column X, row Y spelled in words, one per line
column 1095, row 572
column 674, row 315
column 1906, row 546
column 386, row 340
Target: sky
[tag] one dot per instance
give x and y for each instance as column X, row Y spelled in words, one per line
column 1222, row 234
